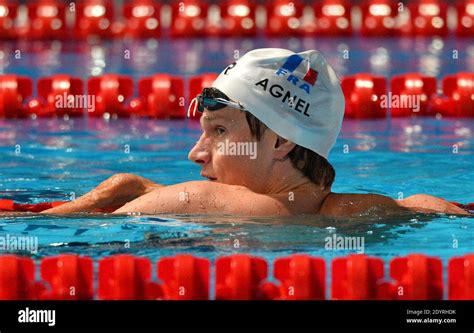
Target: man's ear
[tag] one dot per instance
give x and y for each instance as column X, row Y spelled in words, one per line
column 282, row 148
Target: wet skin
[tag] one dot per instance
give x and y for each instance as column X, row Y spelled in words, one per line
column 237, row 184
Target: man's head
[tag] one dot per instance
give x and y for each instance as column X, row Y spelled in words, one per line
column 287, row 112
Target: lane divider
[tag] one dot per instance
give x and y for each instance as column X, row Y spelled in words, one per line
column 162, row 96
column 53, row 19
column 237, row 277
column 8, row 205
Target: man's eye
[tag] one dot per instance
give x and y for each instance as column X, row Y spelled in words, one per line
column 220, row 130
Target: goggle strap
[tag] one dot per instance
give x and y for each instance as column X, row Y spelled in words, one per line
column 191, row 105
column 235, row 105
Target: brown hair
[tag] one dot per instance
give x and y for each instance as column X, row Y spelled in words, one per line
column 311, row 164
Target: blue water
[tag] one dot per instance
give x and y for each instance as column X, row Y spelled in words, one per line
column 55, row 159
column 58, row 159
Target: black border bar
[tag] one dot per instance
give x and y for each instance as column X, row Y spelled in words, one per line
column 291, row 314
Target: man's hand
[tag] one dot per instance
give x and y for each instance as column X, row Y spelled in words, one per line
column 430, row 204
column 111, row 194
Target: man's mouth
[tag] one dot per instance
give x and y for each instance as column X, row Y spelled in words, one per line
column 212, row 179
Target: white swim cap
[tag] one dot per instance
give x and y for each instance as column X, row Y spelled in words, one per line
column 296, row 95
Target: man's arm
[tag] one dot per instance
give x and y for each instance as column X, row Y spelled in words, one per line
column 112, row 193
column 431, row 204
column 205, row 197
column 342, row 205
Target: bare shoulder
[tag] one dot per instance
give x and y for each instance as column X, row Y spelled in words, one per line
column 348, row 204
column 204, row 188
column 204, row 197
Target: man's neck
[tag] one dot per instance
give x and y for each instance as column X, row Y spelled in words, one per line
column 285, row 178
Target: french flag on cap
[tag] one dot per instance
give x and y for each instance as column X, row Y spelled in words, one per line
column 293, row 62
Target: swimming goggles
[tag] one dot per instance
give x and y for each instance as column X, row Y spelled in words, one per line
column 212, row 99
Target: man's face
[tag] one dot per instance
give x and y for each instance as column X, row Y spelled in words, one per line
column 229, row 154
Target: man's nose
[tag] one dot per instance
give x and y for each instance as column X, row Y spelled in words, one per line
column 200, row 153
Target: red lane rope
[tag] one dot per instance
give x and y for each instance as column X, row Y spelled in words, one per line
column 11, row 206
column 237, row 277
column 152, row 98
column 468, row 206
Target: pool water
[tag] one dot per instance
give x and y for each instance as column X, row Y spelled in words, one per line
column 56, row 159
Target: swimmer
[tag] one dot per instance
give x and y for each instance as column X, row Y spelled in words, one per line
column 268, row 123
